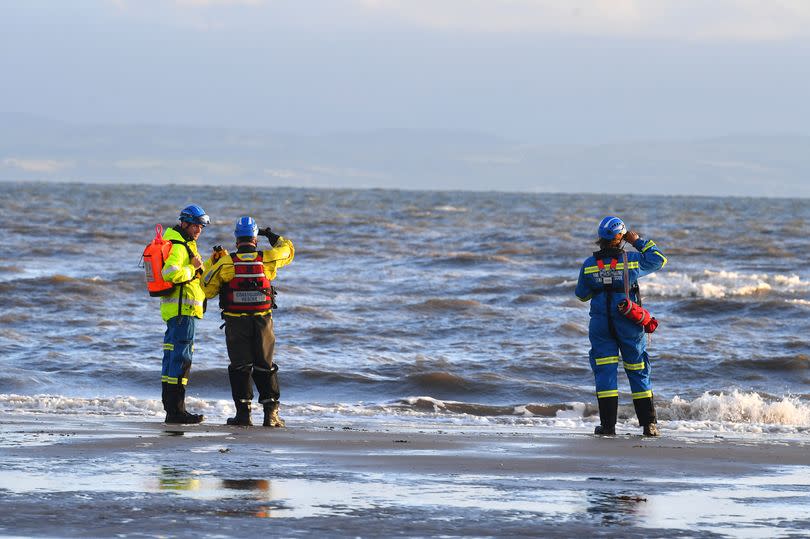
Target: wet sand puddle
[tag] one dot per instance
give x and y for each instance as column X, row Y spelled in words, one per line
column 229, row 481
column 747, row 507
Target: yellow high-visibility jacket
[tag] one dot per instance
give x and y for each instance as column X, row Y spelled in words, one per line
column 186, row 299
column 222, row 271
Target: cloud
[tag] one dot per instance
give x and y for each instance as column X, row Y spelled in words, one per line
column 37, row 165
column 200, row 166
column 207, row 3
column 753, row 20
column 669, row 19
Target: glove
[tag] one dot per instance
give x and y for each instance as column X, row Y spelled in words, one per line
column 219, row 252
column 271, row 236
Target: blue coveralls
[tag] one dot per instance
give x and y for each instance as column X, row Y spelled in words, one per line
column 178, row 347
column 609, row 331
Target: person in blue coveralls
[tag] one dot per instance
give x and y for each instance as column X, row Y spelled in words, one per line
column 601, row 281
column 180, row 310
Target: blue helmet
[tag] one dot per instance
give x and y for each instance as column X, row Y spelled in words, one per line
column 246, row 227
column 611, row 227
column 195, row 215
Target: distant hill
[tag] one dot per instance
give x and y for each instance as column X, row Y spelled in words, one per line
column 33, row 148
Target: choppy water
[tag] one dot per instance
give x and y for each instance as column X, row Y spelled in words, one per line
column 414, row 307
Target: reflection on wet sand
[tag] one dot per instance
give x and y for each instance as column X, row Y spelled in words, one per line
column 613, row 508
column 260, row 490
column 299, row 483
column 255, row 490
column 171, row 478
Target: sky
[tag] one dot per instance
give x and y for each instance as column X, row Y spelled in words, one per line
column 574, row 71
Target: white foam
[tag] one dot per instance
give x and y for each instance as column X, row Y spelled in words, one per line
column 449, row 208
column 737, row 412
column 118, row 405
column 720, row 284
column 740, row 408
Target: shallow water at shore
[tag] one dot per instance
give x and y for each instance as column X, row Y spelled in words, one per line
column 413, row 306
column 86, row 477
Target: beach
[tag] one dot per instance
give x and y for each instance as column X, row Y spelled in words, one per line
column 433, row 367
column 87, row 476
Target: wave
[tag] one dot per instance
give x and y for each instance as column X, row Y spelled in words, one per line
column 445, row 304
column 63, row 288
column 65, row 282
column 799, row 362
column 517, row 250
column 525, row 299
column 450, row 209
column 431, row 382
column 11, row 269
column 573, row 329
column 59, row 404
column 721, row 284
column 740, row 407
column 311, row 312
column 463, row 259
column 736, row 411
column 486, row 410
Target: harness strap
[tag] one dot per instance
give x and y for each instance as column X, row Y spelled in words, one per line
column 627, row 287
column 181, row 285
column 609, row 294
column 608, row 310
column 626, row 276
column 613, row 262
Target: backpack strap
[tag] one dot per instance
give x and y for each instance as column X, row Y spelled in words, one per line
column 181, row 285
column 184, row 244
column 627, row 287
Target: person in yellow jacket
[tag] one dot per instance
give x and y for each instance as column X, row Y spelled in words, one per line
column 180, row 310
column 242, row 280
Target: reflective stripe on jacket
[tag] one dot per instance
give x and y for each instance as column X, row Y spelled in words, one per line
column 178, row 269
column 648, row 259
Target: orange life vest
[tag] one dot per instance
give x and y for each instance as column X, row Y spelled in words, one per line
column 250, row 290
column 154, row 257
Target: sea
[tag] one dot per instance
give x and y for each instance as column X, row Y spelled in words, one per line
column 414, row 309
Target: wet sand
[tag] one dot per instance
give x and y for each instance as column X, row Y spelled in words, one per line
column 103, row 477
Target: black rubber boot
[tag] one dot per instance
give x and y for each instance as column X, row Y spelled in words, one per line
column 645, row 411
column 267, row 383
column 176, row 413
column 242, row 393
column 164, row 396
column 242, row 417
column 181, row 405
column 608, row 410
column 271, row 417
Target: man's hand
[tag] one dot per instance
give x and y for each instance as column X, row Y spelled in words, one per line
column 197, row 262
column 218, row 253
column 631, row 236
column 269, row 234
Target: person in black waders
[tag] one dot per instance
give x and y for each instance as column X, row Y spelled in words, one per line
column 242, row 279
column 602, row 281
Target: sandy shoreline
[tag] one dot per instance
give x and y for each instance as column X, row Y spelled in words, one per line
column 101, row 476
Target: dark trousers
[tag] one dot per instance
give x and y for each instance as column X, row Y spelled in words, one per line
column 251, row 342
